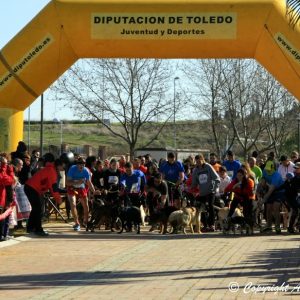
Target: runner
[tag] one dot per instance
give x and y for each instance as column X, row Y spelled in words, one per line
column 78, row 182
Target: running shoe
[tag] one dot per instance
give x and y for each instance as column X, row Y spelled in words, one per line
column 266, row 230
column 278, row 230
column 76, row 227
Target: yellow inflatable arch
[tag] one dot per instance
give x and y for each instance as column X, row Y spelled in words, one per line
column 66, row 30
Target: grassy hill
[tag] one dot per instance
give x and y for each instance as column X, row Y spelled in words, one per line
column 189, row 135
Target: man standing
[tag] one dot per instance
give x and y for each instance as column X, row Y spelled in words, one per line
column 78, row 182
column 255, row 169
column 232, row 165
column 173, row 172
column 213, row 162
column 138, row 166
column 273, row 198
column 208, row 181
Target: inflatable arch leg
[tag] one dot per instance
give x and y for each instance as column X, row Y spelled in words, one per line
column 11, row 124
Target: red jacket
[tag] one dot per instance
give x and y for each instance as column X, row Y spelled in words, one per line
column 247, row 192
column 45, row 180
column 6, row 178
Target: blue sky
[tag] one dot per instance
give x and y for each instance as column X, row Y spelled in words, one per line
column 17, row 13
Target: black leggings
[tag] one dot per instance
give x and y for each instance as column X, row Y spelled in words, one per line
column 35, row 217
column 209, row 199
column 247, row 209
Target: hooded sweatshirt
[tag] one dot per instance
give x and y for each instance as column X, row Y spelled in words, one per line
column 206, row 178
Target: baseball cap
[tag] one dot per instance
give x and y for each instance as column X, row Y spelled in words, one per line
column 270, row 166
column 297, row 165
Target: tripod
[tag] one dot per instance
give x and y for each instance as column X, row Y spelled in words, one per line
column 51, row 207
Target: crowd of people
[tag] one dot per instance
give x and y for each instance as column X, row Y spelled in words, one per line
column 24, row 179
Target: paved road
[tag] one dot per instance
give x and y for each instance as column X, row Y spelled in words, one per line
column 102, row 265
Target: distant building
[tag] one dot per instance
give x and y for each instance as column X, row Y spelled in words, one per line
column 181, row 154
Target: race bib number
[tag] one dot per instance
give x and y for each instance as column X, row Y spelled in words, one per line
column 203, row 178
column 134, row 188
column 230, row 173
column 113, row 179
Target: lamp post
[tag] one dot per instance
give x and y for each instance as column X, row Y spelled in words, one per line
column 42, row 125
column 227, row 142
column 174, row 121
column 55, row 120
column 28, row 129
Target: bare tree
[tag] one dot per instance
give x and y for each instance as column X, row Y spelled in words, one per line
column 132, row 92
column 257, row 105
column 293, row 12
column 242, row 101
column 206, row 77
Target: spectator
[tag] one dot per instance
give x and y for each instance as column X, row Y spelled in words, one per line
column 35, row 187
column 35, row 155
column 6, row 200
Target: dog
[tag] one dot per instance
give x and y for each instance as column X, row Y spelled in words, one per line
column 258, row 212
column 187, row 217
column 285, row 215
column 161, row 217
column 179, row 219
column 195, row 215
column 223, row 214
column 130, row 215
column 143, row 215
column 102, row 213
column 229, row 224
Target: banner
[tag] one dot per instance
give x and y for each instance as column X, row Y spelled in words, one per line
column 116, row 26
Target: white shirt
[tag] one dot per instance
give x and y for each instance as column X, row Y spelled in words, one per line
column 283, row 170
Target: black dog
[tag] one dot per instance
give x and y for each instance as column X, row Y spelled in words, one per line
column 102, row 211
column 161, row 217
column 130, row 215
column 230, row 224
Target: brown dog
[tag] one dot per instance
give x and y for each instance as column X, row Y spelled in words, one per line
column 223, row 214
column 185, row 217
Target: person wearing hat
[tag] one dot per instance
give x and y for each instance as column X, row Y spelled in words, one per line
column 78, row 182
column 274, row 197
column 286, row 166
